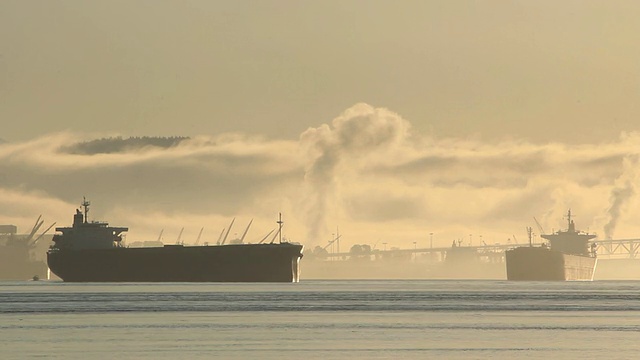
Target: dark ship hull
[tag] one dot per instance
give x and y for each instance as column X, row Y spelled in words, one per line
column 177, row 263
column 543, row 264
column 93, row 252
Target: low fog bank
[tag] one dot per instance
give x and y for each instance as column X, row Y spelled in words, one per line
column 366, row 174
column 617, row 269
column 381, row 269
column 317, row 269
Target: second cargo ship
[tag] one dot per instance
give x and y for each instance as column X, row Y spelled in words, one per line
column 93, row 252
column 569, row 256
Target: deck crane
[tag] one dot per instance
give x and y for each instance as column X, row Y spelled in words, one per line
column 228, row 230
column 179, row 236
column 542, row 232
column 199, row 235
column 220, row 237
column 266, row 236
column 245, row 232
column 275, row 236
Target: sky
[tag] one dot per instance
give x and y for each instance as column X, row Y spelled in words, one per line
column 383, row 120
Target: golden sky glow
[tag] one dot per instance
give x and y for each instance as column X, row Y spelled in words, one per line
column 389, row 119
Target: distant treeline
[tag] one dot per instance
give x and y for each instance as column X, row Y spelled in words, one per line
column 119, row 144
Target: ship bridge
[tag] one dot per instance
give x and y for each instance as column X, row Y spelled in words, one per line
column 88, row 235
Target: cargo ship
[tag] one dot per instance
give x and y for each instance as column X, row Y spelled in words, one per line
column 569, row 256
column 94, row 252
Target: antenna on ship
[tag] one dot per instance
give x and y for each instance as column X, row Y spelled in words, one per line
column 85, row 205
column 571, row 226
column 280, row 222
column 279, row 232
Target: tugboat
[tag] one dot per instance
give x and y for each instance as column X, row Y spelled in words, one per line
column 93, row 252
column 569, row 256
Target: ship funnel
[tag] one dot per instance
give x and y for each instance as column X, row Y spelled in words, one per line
column 78, row 218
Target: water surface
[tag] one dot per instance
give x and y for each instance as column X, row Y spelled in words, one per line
column 321, row 320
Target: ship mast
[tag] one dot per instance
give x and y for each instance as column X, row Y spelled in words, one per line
column 85, row 204
column 572, row 227
column 280, row 222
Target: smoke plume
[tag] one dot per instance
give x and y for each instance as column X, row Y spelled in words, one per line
column 623, row 190
column 359, row 132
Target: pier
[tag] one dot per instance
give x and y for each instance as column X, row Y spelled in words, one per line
column 606, row 249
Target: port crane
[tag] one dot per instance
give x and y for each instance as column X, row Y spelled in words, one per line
column 539, row 226
column 29, row 240
column 34, row 242
column 336, row 239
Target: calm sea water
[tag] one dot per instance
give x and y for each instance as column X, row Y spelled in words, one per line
column 321, row 320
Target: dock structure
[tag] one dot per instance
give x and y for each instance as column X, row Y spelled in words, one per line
column 618, row 249
column 606, row 249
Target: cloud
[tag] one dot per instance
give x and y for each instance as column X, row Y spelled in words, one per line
column 365, row 171
column 357, row 135
column 623, row 191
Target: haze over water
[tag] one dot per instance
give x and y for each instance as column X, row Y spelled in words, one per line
column 405, row 124
column 388, row 121
column 320, row 319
